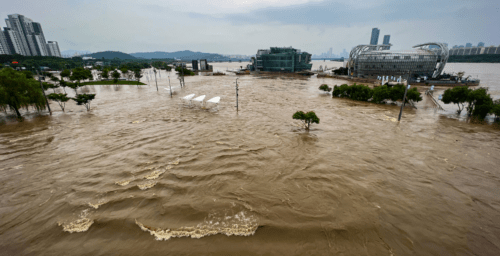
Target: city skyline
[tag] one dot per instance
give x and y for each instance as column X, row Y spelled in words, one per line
column 242, row 27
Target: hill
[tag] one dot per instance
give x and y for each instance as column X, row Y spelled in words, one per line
column 183, row 55
column 111, row 55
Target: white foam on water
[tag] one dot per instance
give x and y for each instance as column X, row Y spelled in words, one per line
column 123, row 182
column 147, row 185
column 154, row 175
column 81, row 225
column 231, row 225
column 98, row 204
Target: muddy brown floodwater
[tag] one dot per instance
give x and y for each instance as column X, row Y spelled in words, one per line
column 142, row 174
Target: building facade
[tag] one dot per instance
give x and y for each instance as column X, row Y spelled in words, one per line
column 53, row 49
column 281, row 59
column 370, row 61
column 475, row 50
column 387, row 38
column 374, row 37
column 25, row 37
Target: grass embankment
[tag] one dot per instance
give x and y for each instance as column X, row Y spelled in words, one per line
column 113, row 83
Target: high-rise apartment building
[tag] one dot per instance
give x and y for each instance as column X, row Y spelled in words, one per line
column 387, row 38
column 374, row 38
column 53, row 49
column 480, row 44
column 24, row 36
column 4, row 46
column 468, row 45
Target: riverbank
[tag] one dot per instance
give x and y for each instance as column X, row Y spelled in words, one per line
column 119, row 82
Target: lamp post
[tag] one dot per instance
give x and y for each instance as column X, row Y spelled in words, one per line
column 156, row 80
column 170, row 86
column 237, row 94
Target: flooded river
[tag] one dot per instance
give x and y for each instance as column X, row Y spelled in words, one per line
column 141, row 174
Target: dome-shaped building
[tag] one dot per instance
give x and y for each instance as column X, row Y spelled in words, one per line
column 371, row 61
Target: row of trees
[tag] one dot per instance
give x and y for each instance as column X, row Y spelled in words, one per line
column 21, row 91
column 478, row 102
column 380, row 94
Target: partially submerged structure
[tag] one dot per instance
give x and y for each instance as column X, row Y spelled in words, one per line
column 281, row 59
column 371, row 61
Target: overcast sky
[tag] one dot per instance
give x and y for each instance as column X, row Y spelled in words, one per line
column 242, row 27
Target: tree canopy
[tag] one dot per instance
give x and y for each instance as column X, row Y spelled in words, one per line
column 17, row 91
column 456, row 95
column 306, row 118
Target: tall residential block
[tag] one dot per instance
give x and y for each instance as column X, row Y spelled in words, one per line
column 4, row 46
column 24, row 36
column 53, row 49
column 480, row 44
column 374, row 38
column 468, row 45
column 387, row 38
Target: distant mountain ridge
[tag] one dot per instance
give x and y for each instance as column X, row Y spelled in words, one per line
column 183, row 55
column 111, row 55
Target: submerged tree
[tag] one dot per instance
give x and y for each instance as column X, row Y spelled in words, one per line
column 306, row 118
column 60, row 98
column 17, row 91
column 325, row 88
column 456, row 95
column 84, row 99
column 480, row 103
column 115, row 75
column 138, row 75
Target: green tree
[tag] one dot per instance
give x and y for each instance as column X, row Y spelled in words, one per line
column 84, row 99
column 65, row 74
column 306, row 118
column 115, row 75
column 456, row 95
column 60, row 98
column 105, row 73
column 17, row 91
column 495, row 110
column 480, row 103
column 124, row 71
column 324, row 87
column 138, row 75
column 380, row 94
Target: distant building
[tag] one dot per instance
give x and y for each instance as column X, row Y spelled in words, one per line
column 387, row 38
column 468, row 45
column 4, row 46
column 480, row 44
column 281, row 59
column 53, row 49
column 195, row 65
column 475, row 50
column 204, row 65
column 24, row 36
column 374, row 38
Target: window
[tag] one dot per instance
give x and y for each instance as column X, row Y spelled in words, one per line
column 407, row 57
column 396, row 57
column 421, row 56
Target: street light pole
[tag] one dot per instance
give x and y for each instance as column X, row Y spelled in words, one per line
column 156, row 80
column 170, row 86
column 237, row 94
